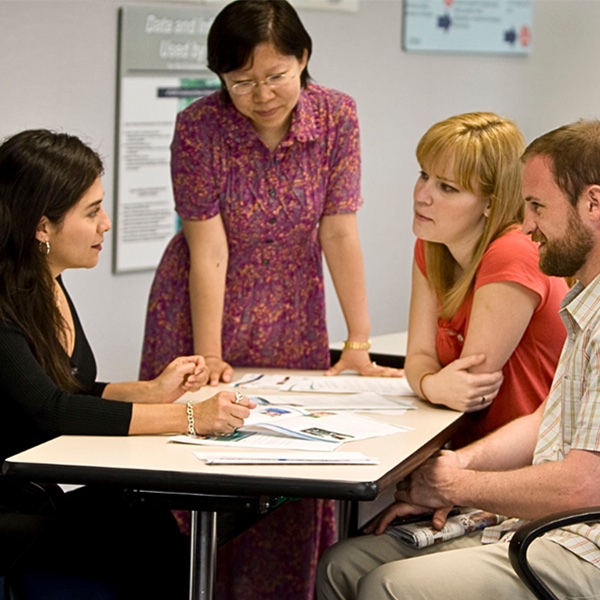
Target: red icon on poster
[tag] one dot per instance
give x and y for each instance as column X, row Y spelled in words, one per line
column 525, row 36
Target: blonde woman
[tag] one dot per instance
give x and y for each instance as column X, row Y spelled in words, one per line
column 484, row 330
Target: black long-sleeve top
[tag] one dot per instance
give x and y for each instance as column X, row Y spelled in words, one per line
column 33, row 409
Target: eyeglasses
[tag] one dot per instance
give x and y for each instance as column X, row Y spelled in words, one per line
column 273, row 81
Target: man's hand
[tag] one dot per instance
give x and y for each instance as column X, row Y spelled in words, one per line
column 433, row 483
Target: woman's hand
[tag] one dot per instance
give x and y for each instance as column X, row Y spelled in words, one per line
column 359, row 361
column 221, row 414
column 457, row 388
column 184, row 374
column 219, row 370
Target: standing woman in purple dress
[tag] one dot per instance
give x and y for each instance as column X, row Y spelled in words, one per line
column 266, row 177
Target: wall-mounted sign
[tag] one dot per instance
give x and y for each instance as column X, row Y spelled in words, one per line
column 162, row 69
column 340, row 5
column 475, row 26
column 332, row 5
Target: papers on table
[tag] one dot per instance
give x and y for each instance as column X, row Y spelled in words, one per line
column 365, row 401
column 342, row 384
column 316, row 425
column 294, row 458
column 318, row 421
column 255, row 440
column 322, row 430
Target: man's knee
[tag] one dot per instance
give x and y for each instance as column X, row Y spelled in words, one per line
column 332, row 580
column 345, row 563
column 380, row 582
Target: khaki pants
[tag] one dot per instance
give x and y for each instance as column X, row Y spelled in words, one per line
column 377, row 567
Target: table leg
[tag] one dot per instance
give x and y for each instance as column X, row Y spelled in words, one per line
column 203, row 555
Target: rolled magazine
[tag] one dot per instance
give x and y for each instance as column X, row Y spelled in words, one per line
column 422, row 533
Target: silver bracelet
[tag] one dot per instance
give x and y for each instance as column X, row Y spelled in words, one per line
column 189, row 409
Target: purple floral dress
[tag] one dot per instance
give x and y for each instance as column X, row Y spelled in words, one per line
column 274, row 312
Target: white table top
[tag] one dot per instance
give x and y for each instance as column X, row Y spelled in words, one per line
column 156, row 463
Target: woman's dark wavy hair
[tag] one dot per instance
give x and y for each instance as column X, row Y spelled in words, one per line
column 42, row 173
column 244, row 24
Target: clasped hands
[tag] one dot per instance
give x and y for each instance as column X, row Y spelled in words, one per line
column 428, row 488
column 181, row 375
column 457, row 387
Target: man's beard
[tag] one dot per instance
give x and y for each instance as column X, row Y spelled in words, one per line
column 565, row 257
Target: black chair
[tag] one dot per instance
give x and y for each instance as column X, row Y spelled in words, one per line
column 526, row 534
column 26, row 509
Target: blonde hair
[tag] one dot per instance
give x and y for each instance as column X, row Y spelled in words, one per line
column 484, row 152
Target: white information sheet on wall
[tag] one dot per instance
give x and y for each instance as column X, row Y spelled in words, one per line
column 162, row 70
column 474, row 26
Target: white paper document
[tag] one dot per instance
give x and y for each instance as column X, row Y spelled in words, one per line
column 318, row 425
column 289, row 458
column 257, row 440
column 342, row 384
column 365, row 401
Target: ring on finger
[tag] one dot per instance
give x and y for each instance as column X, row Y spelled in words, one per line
column 238, row 397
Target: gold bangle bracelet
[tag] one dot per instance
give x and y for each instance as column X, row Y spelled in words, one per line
column 350, row 345
column 423, row 394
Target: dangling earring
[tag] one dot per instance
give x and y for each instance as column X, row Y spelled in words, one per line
column 44, row 247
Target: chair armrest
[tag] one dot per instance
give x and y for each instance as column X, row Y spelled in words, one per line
column 529, row 532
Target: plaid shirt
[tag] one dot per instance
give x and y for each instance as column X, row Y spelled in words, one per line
column 572, row 416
